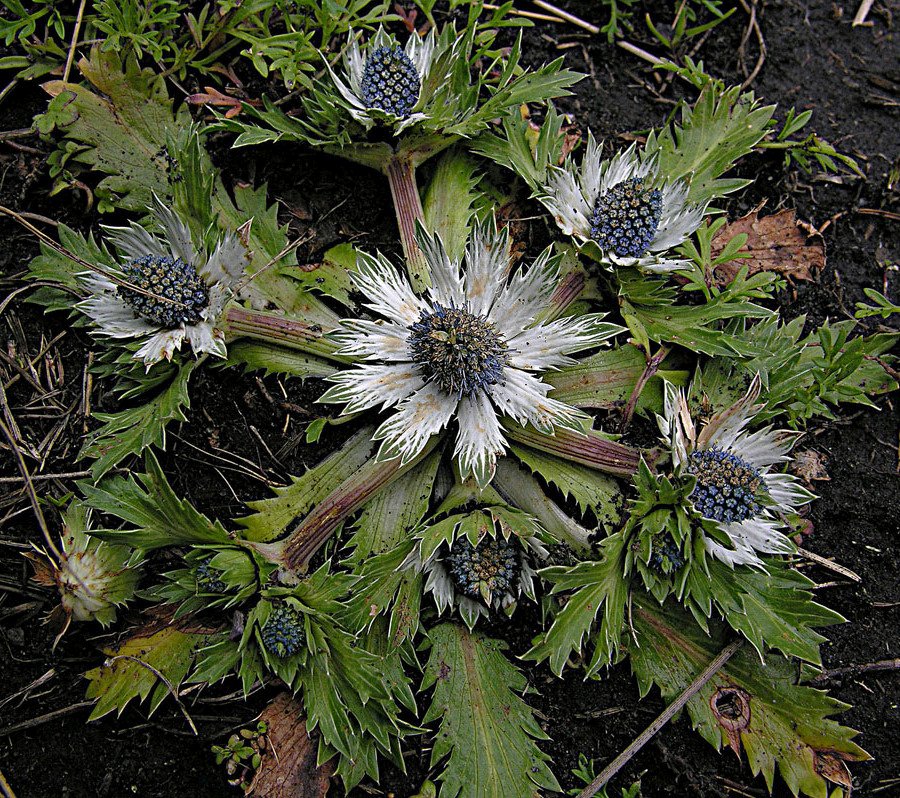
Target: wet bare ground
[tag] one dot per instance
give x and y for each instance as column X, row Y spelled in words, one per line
column 815, row 59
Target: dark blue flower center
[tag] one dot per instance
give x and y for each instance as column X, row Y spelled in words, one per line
column 666, row 557
column 283, row 633
column 728, row 486
column 626, row 218
column 459, row 350
column 492, row 567
column 209, row 579
column 390, row 81
column 169, row 290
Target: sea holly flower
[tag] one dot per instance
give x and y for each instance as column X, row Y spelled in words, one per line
column 471, row 350
column 622, row 211
column 382, row 81
column 738, row 494
column 480, row 561
column 166, row 290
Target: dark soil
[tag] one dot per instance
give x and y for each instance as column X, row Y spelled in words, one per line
column 815, row 60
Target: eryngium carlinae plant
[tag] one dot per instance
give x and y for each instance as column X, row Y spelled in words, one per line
column 742, row 503
column 471, row 350
column 93, row 577
column 168, row 288
column 622, row 211
column 480, row 559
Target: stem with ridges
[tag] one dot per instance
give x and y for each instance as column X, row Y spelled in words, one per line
column 271, row 327
column 588, row 449
column 401, row 174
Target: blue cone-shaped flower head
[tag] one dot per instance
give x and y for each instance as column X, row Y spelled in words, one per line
column 283, row 634
column 168, row 289
column 622, row 212
column 737, row 487
column 381, row 83
column 490, row 568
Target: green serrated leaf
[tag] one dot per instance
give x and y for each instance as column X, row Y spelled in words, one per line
column 598, row 586
column 274, row 359
column 450, row 200
column 147, row 502
column 720, row 128
column 487, row 739
column 331, row 277
column 779, row 723
column 591, row 489
column 272, row 516
column 125, row 126
column 132, row 670
column 131, row 431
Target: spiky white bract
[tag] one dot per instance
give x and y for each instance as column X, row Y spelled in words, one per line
column 473, row 349
column 419, row 51
column 753, row 525
column 442, row 574
column 576, row 196
column 173, row 246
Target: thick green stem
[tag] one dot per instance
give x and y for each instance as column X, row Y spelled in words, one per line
column 401, row 174
column 263, row 326
column 591, row 449
column 310, row 535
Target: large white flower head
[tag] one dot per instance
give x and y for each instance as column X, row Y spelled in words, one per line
column 166, row 289
column 736, row 488
column 472, row 349
column 382, row 82
column 622, row 211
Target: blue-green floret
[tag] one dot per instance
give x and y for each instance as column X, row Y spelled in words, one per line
column 667, row 556
column 209, row 579
column 283, row 634
column 170, row 292
column 460, row 351
column 727, row 485
column 626, row 218
column 390, row 82
column 492, row 566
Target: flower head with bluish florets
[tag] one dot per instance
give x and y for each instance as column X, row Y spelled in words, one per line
column 472, row 350
column 167, row 290
column 736, row 487
column 382, row 81
column 622, row 211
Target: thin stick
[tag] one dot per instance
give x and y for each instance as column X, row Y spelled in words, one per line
column 648, row 57
column 5, row 790
column 567, row 16
column 862, row 12
column 855, row 670
column 41, row 720
column 831, row 566
column 74, row 41
column 665, row 716
column 649, row 370
column 527, row 14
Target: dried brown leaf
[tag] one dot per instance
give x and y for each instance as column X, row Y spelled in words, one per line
column 779, row 243
column 288, row 768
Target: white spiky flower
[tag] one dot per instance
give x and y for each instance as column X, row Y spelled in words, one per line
column 382, row 81
column 471, row 350
column 737, row 488
column 622, row 210
column 166, row 288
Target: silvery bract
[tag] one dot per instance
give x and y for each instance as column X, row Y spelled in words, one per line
column 382, row 82
column 477, row 578
column 472, row 350
column 737, row 488
column 172, row 290
column 623, row 210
